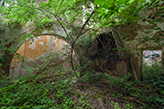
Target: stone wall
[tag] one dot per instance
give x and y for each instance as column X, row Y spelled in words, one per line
column 131, row 39
column 40, row 51
column 11, row 39
column 129, row 36
column 139, row 36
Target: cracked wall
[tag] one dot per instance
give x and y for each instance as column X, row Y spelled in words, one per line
column 39, row 51
column 11, row 39
column 141, row 35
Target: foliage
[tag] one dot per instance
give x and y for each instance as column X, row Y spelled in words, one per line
column 25, row 95
column 11, row 51
column 104, row 12
column 80, row 16
column 148, row 93
column 31, row 92
column 127, row 106
column 56, row 92
column 118, row 12
column 40, row 91
column 154, row 75
column 153, row 72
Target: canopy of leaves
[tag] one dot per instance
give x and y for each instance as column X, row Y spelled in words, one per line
column 90, row 14
column 106, row 12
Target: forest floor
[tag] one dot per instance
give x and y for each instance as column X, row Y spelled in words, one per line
column 100, row 95
column 90, row 91
column 104, row 92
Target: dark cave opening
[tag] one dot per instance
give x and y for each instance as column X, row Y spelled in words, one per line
column 105, row 52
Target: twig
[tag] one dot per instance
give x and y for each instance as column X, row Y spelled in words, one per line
column 72, row 46
column 82, row 28
column 58, row 19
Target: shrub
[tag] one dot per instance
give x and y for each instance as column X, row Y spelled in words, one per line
column 155, row 76
column 38, row 92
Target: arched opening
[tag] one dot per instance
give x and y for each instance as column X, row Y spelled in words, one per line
column 40, row 53
column 104, row 55
column 107, row 52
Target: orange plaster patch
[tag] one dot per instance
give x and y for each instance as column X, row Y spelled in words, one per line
column 27, row 52
column 58, row 46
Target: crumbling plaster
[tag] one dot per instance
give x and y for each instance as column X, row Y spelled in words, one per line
column 135, row 33
column 42, row 50
column 10, row 37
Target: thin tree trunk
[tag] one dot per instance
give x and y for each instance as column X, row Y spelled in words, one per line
column 163, row 59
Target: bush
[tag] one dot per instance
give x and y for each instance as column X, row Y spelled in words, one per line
column 36, row 92
column 23, row 94
column 154, row 76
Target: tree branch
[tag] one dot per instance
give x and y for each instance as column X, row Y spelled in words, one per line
column 72, row 46
column 82, row 28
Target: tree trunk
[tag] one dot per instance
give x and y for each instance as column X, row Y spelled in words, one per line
column 163, row 59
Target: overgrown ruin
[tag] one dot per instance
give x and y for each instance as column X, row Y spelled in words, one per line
column 116, row 51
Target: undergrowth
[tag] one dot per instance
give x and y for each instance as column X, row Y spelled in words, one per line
column 55, row 92
column 148, row 94
column 39, row 91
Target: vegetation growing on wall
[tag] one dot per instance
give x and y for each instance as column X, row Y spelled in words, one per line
column 36, row 91
column 81, row 16
column 66, row 91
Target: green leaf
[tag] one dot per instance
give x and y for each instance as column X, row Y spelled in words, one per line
column 60, row 6
column 130, row 1
column 99, row 2
column 121, row 2
column 137, row 10
column 161, row 85
column 159, row 100
column 159, row 20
